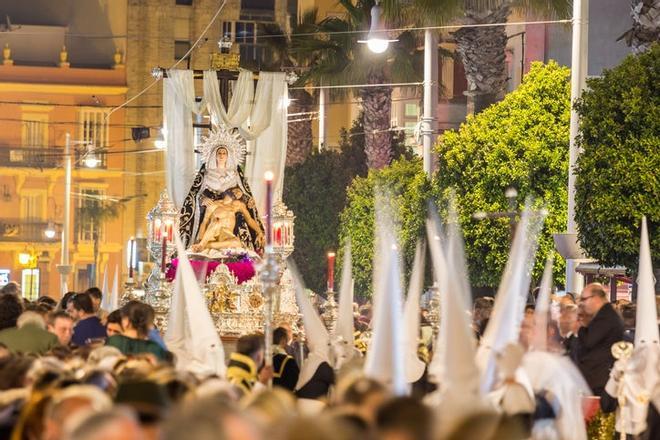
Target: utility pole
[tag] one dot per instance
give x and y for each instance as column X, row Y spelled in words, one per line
column 64, row 268
column 429, row 126
column 579, row 66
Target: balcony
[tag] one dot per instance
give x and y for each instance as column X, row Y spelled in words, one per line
column 22, row 230
column 20, row 157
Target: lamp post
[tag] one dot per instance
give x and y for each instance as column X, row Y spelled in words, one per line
column 64, row 268
column 429, row 127
column 579, row 67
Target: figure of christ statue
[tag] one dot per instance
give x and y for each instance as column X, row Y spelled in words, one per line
column 217, row 229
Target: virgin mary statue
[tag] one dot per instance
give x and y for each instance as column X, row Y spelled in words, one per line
column 219, row 213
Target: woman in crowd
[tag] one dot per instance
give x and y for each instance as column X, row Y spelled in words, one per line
column 136, row 321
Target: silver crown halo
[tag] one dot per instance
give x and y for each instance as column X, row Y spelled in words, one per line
column 231, row 140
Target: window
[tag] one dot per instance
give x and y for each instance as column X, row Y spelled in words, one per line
column 34, row 130
column 33, row 205
column 181, row 48
column 184, row 2
column 226, row 29
column 30, row 284
column 245, row 32
column 258, row 10
column 94, row 131
column 90, row 200
column 411, row 110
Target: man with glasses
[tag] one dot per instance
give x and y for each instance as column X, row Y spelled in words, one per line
column 595, row 339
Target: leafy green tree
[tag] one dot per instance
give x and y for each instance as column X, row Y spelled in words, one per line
column 315, row 191
column 617, row 171
column 408, row 189
column 96, row 212
column 521, row 141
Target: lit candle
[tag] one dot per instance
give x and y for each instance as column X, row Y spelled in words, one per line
column 130, row 258
column 331, row 271
column 269, row 208
column 157, row 230
column 168, row 226
column 163, row 257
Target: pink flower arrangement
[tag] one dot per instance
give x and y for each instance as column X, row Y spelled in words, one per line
column 243, row 270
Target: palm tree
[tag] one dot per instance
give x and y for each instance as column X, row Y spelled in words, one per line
column 336, row 58
column 645, row 30
column 482, row 50
column 282, row 57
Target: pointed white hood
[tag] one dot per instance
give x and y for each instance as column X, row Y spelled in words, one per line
column 646, row 324
column 191, row 334
column 110, row 301
column 504, row 324
column 453, row 366
column 540, row 339
column 343, row 339
column 316, row 334
column 411, row 318
column 104, row 290
column 638, row 378
column 385, row 356
column 554, row 372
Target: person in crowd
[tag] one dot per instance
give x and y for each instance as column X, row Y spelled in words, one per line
column 11, row 288
column 243, row 369
column 628, row 315
column 404, row 418
column 113, row 323
column 361, row 396
column 595, row 339
column 61, row 325
column 568, row 328
column 10, row 309
column 88, row 328
column 483, row 307
column 136, row 321
column 115, row 423
column 285, row 368
column 64, row 301
column 47, row 302
column 29, row 336
column 67, row 406
column 97, row 297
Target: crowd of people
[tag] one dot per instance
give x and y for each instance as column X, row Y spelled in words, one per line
column 70, row 370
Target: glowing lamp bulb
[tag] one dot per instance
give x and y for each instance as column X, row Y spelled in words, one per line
column 24, row 258
column 269, row 176
column 377, row 45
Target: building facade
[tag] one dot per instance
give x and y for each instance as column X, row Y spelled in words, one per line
column 43, row 96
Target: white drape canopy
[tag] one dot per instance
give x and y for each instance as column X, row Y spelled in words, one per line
column 259, row 116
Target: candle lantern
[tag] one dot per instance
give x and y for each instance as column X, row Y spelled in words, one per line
column 282, row 230
column 162, row 222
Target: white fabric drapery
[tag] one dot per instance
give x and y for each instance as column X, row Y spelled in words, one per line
column 240, row 105
column 260, row 117
column 268, row 151
column 178, row 106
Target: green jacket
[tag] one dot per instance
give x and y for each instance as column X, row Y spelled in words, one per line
column 29, row 339
column 129, row 346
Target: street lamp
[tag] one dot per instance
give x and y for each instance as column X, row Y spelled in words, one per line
column 225, row 44
column 377, row 40
column 50, row 231
column 90, row 160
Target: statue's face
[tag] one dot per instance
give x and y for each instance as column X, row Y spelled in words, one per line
column 221, row 157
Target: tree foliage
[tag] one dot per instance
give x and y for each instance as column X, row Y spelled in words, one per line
column 521, row 142
column 408, row 189
column 315, row 191
column 617, row 172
